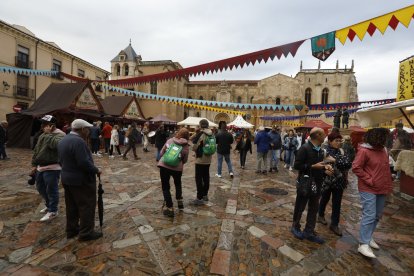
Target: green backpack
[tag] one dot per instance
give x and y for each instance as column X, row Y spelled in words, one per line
column 172, row 157
column 210, row 146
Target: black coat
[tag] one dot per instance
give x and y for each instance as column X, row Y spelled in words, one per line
column 3, row 135
column 247, row 145
column 306, row 157
column 76, row 160
column 161, row 136
column 224, row 140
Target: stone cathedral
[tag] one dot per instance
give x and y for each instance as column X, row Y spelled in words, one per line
column 309, row 86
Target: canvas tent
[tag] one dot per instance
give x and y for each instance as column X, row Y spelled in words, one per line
column 163, row 119
column 239, row 122
column 194, row 121
column 122, row 107
column 379, row 114
column 317, row 123
column 65, row 101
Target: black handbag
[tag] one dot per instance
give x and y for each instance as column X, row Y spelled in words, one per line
column 306, row 186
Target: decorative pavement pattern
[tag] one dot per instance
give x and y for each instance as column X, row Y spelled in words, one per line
column 244, row 230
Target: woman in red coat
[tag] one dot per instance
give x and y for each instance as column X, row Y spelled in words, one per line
column 374, row 183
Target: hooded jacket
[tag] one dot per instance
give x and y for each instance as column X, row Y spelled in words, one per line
column 184, row 153
column 224, row 140
column 372, row 169
column 203, row 159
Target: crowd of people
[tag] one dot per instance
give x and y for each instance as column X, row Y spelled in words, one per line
column 322, row 163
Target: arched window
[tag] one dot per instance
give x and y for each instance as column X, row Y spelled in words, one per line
column 278, row 100
column 213, row 98
column 308, row 96
column 251, row 99
column 118, row 69
column 201, row 98
column 126, row 70
column 325, row 93
column 239, row 99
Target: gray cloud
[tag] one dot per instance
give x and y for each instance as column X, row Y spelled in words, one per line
column 194, row 32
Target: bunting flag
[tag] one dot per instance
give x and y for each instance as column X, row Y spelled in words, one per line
column 381, row 23
column 335, row 106
column 215, row 66
column 323, row 45
column 31, row 72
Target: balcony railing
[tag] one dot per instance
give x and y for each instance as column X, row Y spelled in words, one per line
column 23, row 93
column 98, row 88
column 58, row 76
column 23, row 64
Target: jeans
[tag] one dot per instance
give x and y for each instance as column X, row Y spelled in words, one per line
column 336, row 204
column 47, row 184
column 300, row 204
column 202, row 177
column 95, row 145
column 165, row 175
column 243, row 155
column 274, row 158
column 261, row 158
column 372, row 207
column 158, row 154
column 220, row 162
column 290, row 157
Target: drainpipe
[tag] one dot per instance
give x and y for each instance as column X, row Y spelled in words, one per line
column 35, row 89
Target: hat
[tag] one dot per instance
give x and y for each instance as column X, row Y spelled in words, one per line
column 48, row 119
column 261, row 128
column 203, row 123
column 79, row 123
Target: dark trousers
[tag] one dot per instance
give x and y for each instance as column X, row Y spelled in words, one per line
column 134, row 150
column 80, row 209
column 202, row 177
column 95, row 145
column 300, row 204
column 3, row 154
column 107, row 142
column 165, row 175
column 243, row 154
column 111, row 149
column 336, row 204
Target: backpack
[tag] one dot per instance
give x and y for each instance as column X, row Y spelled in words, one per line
column 209, row 145
column 172, row 157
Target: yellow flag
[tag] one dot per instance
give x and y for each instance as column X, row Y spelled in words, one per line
column 405, row 90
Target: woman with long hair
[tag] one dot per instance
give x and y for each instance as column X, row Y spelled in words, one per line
column 244, row 145
column 374, row 183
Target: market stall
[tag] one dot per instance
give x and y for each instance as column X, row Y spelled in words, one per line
column 239, row 122
column 194, row 121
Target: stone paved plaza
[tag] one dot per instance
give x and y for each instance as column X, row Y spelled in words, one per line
column 244, row 230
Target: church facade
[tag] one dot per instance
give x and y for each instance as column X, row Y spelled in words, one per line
column 309, row 86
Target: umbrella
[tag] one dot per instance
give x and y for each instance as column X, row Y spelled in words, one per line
column 100, row 202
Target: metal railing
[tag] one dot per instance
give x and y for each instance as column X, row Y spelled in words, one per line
column 23, row 93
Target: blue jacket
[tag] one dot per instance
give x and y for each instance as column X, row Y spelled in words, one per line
column 76, row 160
column 95, row 132
column 275, row 139
column 262, row 140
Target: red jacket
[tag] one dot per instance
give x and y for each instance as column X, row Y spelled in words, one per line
column 372, row 169
column 106, row 132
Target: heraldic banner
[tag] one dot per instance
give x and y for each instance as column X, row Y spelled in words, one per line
column 405, row 89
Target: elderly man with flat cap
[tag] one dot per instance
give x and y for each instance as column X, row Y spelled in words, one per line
column 310, row 163
column 79, row 181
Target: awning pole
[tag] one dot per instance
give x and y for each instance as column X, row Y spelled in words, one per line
column 406, row 117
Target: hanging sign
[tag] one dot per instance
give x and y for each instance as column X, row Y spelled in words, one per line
column 405, row 90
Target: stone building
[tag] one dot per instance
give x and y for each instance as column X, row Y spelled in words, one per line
column 309, row 86
column 21, row 48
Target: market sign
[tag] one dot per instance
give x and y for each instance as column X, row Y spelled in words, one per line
column 405, row 89
column 133, row 111
column 86, row 100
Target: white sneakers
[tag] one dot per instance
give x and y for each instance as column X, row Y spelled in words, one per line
column 49, row 216
column 285, row 166
column 44, row 210
column 231, row 175
column 366, row 250
column 290, row 169
column 111, row 156
column 218, row 175
column 373, row 244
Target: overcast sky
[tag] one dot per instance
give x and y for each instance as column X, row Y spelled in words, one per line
column 193, row 32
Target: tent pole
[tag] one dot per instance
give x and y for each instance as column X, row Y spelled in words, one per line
column 406, row 117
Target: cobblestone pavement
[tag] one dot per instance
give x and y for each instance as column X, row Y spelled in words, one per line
column 244, row 230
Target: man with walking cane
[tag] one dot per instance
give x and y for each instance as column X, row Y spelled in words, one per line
column 79, row 181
